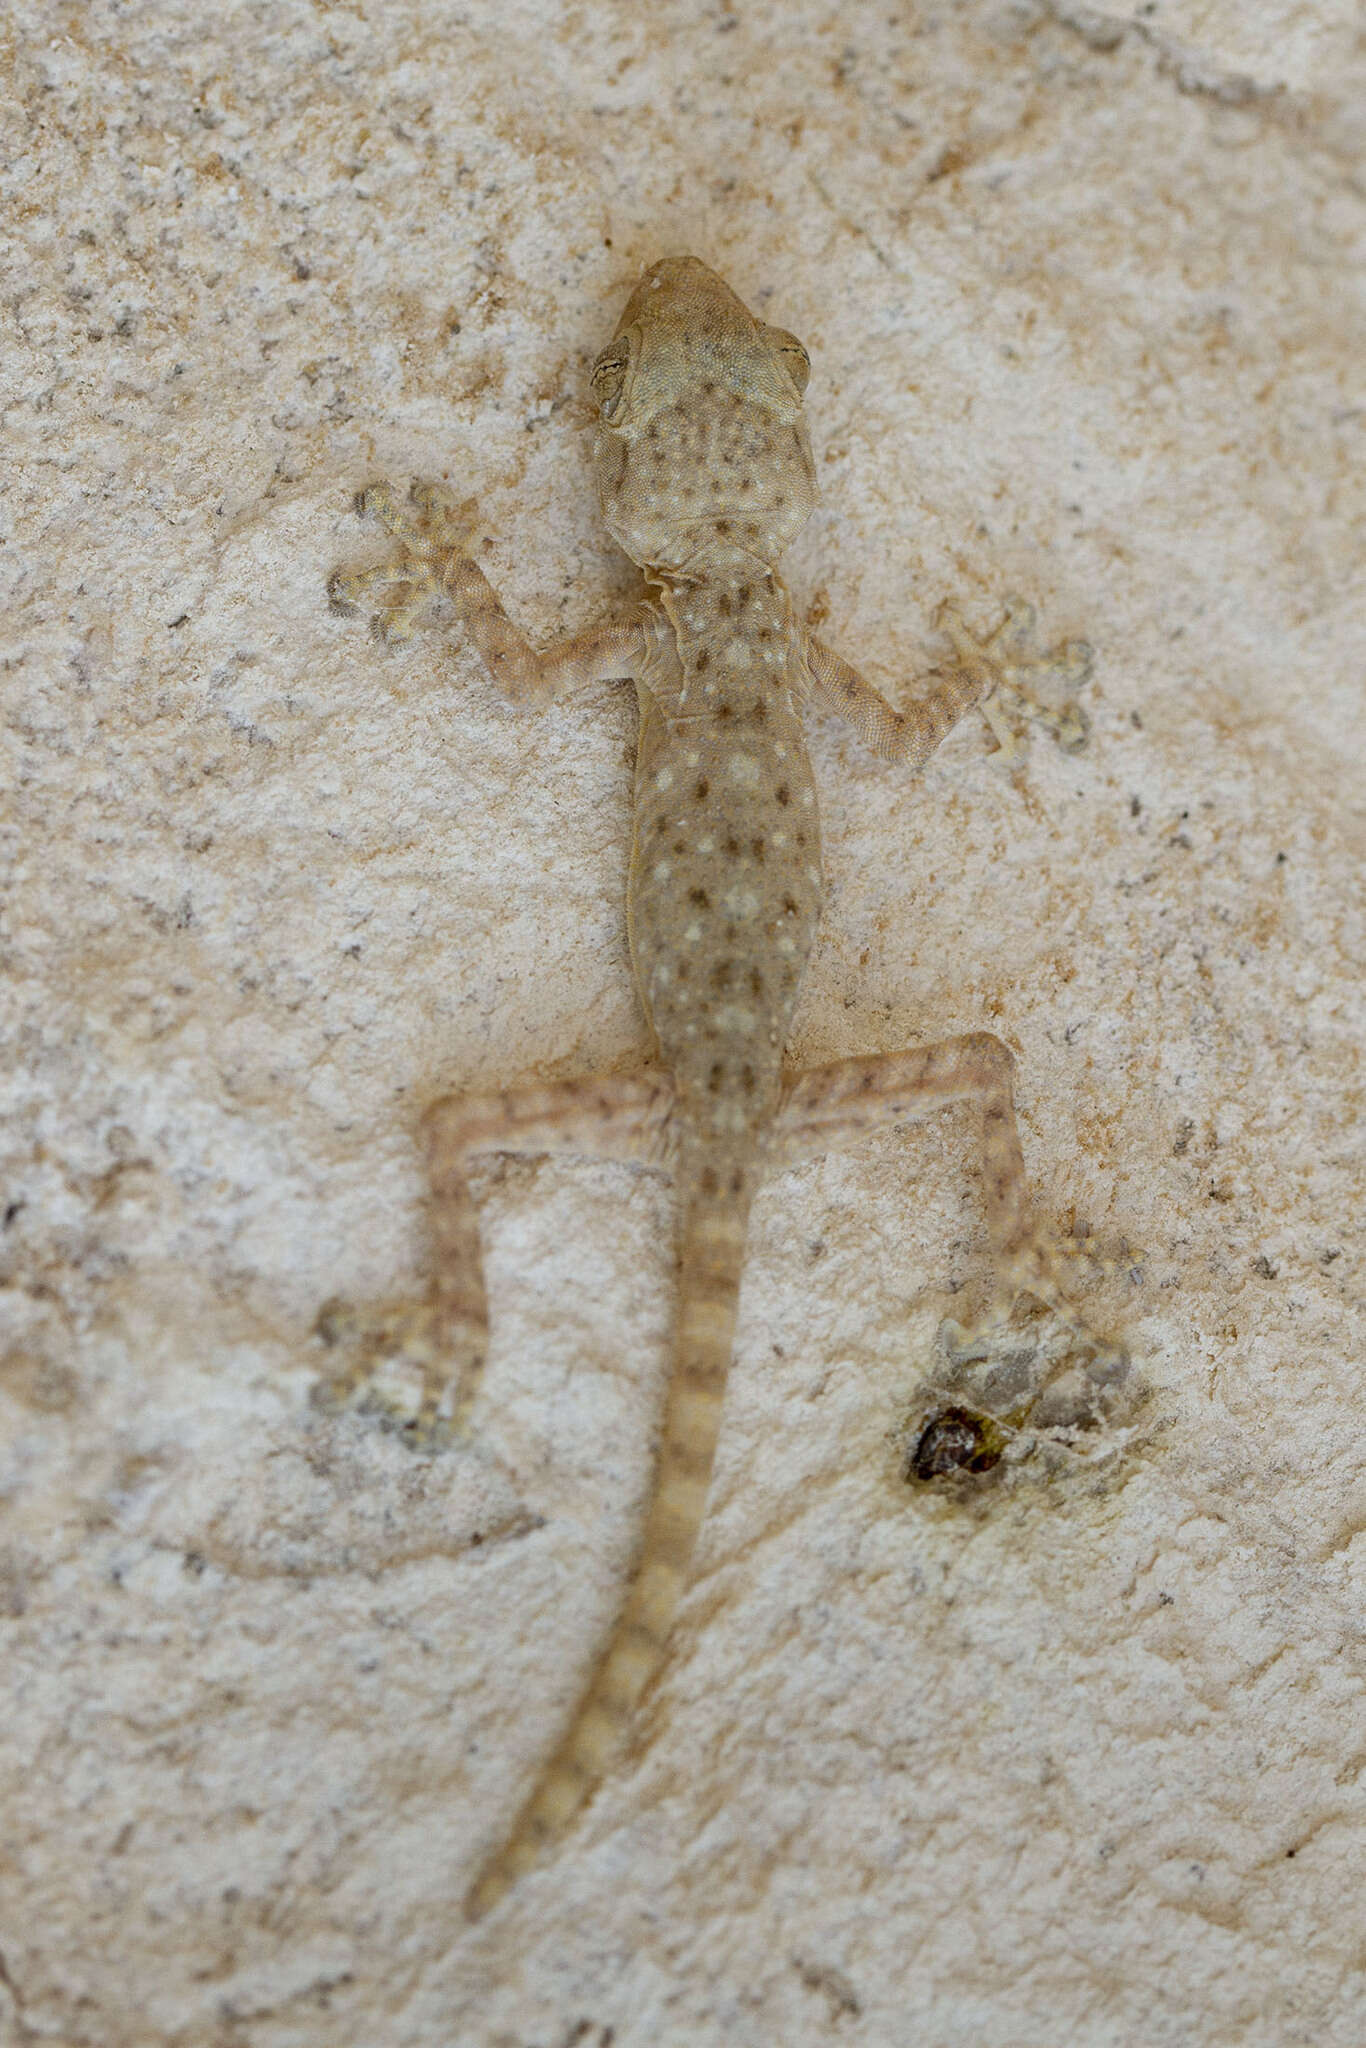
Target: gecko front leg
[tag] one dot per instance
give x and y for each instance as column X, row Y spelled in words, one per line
column 432, row 561
column 989, row 675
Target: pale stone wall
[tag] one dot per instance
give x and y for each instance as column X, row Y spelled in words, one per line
column 1075, row 1761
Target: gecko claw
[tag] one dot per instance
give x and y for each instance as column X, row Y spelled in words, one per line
column 1011, row 702
column 400, row 588
column 1033, row 1375
column 339, row 599
column 395, row 1365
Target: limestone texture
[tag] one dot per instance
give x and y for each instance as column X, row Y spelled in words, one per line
column 1070, row 1756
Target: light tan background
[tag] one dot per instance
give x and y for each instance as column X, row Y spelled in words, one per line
column 1078, row 1763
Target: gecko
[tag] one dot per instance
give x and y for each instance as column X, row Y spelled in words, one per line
column 705, row 473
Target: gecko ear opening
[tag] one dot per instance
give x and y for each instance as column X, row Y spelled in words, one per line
column 790, row 353
column 609, row 376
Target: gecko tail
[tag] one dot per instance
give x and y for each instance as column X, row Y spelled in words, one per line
column 711, row 1251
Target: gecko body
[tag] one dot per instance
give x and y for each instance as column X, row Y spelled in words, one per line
column 705, row 473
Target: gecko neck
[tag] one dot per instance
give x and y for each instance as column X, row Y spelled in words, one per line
column 719, row 561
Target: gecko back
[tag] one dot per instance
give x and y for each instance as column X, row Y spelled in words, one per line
column 704, row 469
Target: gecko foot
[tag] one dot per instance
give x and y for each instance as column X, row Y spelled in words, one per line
column 403, row 1364
column 399, row 589
column 1022, row 1380
column 1010, row 650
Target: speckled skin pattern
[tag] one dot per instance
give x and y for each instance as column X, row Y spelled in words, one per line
column 705, row 474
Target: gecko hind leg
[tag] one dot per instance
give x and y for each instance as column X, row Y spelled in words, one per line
column 442, row 1339
column 837, row 1104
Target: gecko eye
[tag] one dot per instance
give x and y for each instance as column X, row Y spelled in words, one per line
column 609, row 377
column 790, row 354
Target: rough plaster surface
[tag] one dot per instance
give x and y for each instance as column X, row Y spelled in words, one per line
column 1077, row 1759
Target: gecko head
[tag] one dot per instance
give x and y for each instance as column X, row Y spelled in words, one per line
column 701, row 441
